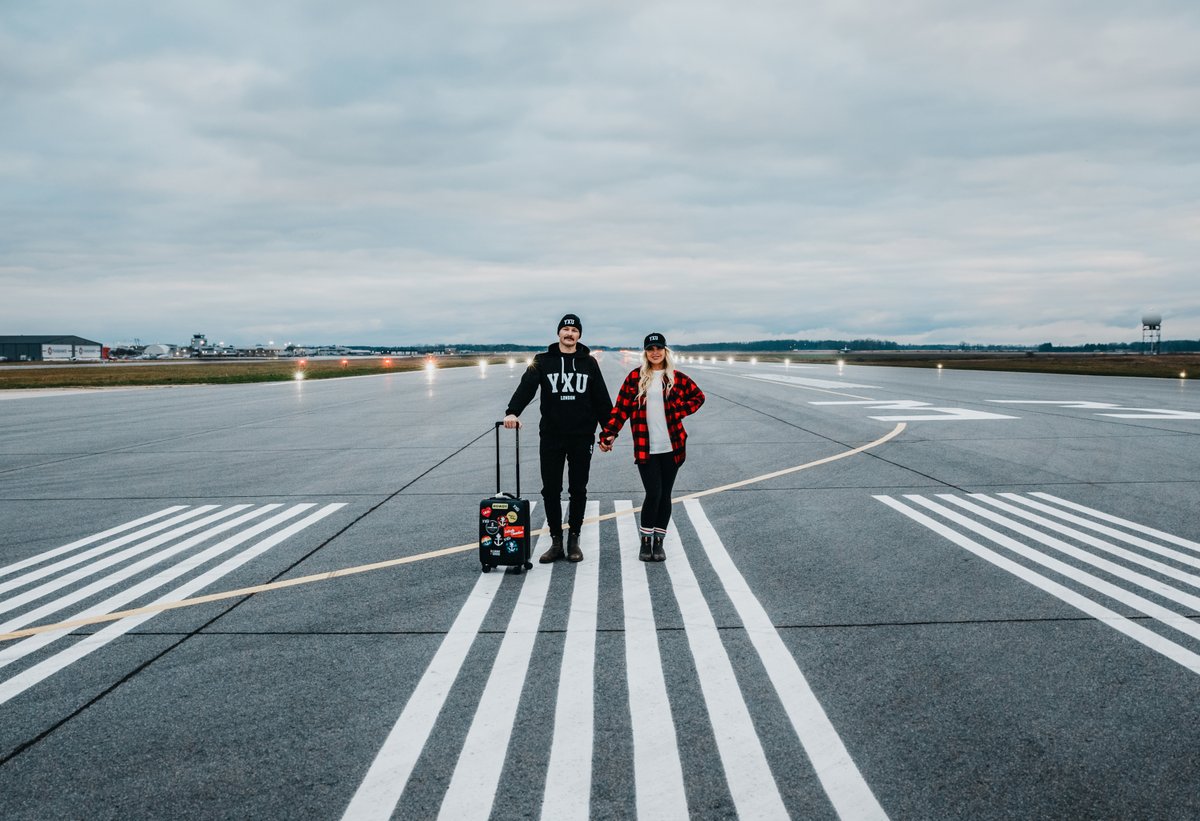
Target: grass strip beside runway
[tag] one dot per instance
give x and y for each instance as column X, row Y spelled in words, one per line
column 432, row 554
column 207, row 372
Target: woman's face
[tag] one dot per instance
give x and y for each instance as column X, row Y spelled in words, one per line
column 656, row 355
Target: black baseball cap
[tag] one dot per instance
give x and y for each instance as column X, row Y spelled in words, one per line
column 654, row 341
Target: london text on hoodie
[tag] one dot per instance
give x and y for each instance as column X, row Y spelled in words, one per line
column 574, row 397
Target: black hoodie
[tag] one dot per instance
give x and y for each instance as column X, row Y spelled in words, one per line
column 574, row 397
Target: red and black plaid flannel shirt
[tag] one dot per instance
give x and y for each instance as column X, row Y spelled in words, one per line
column 684, row 399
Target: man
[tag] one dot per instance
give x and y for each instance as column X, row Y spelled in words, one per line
column 574, row 401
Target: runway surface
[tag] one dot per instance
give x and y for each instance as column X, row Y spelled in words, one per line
column 991, row 614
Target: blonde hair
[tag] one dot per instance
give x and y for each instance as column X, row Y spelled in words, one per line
column 648, row 373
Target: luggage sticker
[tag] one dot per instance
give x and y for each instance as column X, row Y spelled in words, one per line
column 486, row 512
column 485, row 541
column 499, row 505
column 515, row 532
column 512, row 516
column 491, row 526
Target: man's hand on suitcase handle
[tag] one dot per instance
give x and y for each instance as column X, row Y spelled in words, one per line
column 511, row 421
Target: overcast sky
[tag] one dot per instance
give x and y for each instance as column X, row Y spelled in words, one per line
column 375, row 173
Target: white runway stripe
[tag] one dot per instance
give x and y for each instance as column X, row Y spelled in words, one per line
column 384, row 783
column 1143, row 605
column 39, row 672
column 1149, row 638
column 849, row 793
column 1134, row 526
column 67, row 548
column 132, row 594
column 43, row 572
column 1111, row 532
column 660, row 792
column 657, row 772
column 476, row 776
column 569, row 774
column 1108, row 547
column 127, row 572
column 108, row 561
column 1120, row 571
column 751, row 784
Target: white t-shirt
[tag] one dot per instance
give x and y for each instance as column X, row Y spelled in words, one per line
column 656, row 415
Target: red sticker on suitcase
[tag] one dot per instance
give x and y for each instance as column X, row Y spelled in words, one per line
column 485, row 512
column 515, row 532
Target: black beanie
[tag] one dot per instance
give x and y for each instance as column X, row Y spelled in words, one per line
column 570, row 321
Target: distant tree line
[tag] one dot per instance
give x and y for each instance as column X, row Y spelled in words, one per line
column 1166, row 346
column 793, row 345
column 784, row 345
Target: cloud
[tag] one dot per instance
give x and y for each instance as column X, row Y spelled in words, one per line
column 916, row 170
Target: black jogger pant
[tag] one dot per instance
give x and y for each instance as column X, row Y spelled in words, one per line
column 576, row 452
column 658, row 477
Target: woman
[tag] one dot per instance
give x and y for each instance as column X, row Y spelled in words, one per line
column 656, row 397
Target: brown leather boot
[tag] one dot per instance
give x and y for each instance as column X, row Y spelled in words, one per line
column 555, row 552
column 574, row 554
column 657, row 549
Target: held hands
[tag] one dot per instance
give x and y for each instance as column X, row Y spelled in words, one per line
column 606, row 443
column 512, row 421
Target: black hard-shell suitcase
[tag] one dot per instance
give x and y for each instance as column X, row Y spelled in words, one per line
column 504, row 539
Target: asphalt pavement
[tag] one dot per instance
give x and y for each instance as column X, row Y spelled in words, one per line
column 889, row 593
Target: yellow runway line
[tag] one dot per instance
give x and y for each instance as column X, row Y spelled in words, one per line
column 432, row 554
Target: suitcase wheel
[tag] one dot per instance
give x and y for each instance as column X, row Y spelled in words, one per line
column 487, row 568
column 529, row 565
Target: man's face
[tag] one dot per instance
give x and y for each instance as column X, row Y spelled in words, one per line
column 568, row 337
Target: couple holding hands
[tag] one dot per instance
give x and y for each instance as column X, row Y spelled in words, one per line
column 654, row 398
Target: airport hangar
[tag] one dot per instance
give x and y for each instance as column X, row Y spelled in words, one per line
column 48, row 349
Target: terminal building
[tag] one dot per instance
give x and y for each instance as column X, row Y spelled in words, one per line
column 48, row 349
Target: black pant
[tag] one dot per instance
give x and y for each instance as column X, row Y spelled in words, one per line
column 576, row 452
column 658, row 477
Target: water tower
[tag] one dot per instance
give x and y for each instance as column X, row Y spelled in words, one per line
column 1151, row 332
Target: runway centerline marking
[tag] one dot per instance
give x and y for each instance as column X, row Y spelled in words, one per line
column 929, row 413
column 818, row 385
column 1137, row 413
column 432, row 554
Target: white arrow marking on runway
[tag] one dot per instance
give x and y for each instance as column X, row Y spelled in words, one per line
column 805, row 381
column 1134, row 413
column 931, row 414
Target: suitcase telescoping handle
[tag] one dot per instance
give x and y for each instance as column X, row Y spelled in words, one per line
column 517, row 432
